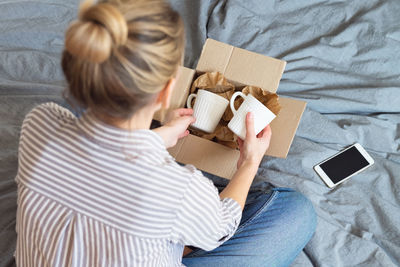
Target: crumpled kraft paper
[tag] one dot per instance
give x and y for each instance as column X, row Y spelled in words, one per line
column 215, row 82
column 270, row 100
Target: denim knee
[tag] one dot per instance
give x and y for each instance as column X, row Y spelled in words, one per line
column 277, row 228
column 301, row 214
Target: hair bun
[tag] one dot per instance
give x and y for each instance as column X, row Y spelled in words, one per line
column 100, row 28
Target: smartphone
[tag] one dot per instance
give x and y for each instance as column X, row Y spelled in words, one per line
column 343, row 165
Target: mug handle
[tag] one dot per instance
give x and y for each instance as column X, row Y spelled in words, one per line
column 232, row 101
column 189, row 100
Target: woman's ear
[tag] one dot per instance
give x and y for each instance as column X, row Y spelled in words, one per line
column 164, row 96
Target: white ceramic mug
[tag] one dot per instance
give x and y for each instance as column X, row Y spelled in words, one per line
column 262, row 115
column 208, row 110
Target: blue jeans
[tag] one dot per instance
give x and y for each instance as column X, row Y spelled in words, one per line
column 275, row 227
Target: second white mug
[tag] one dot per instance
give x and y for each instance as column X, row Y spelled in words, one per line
column 208, row 110
column 262, row 115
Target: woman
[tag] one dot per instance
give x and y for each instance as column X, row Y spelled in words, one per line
column 102, row 190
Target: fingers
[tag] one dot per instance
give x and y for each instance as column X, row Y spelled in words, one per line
column 186, row 120
column 192, row 119
column 185, row 133
column 250, row 126
column 240, row 143
column 266, row 132
column 184, row 111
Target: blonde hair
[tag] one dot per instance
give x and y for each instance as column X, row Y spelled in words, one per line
column 119, row 54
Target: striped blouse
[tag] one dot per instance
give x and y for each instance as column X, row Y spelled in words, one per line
column 90, row 194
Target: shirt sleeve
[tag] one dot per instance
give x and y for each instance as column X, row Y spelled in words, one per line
column 204, row 220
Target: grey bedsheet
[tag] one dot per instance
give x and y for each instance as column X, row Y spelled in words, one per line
column 343, row 59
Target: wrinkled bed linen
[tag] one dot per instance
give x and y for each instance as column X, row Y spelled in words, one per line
column 343, row 59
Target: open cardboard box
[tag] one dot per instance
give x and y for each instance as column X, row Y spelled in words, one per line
column 240, row 67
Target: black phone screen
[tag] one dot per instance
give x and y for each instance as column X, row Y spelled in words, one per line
column 344, row 164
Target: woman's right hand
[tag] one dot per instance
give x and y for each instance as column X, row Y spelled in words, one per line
column 253, row 148
column 175, row 126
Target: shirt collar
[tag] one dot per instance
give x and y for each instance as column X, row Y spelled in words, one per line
column 113, row 137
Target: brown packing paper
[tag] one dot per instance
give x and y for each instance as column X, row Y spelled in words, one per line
column 215, row 82
column 270, row 100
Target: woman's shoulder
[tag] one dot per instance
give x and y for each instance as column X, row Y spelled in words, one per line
column 49, row 111
column 45, row 119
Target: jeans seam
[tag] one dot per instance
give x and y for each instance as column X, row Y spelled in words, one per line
column 259, row 211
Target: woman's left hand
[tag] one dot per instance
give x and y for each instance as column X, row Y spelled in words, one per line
column 176, row 123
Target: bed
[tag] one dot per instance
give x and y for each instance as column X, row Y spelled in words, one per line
column 343, row 58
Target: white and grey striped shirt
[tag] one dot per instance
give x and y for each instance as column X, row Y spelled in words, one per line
column 90, row 194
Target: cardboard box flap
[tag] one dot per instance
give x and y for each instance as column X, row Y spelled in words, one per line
column 241, row 66
column 214, row 56
column 206, row 155
column 284, row 126
column 184, row 78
